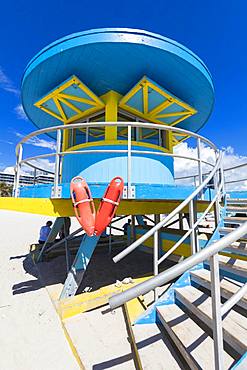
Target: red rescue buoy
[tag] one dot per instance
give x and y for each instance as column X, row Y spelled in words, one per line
column 109, row 204
column 83, row 204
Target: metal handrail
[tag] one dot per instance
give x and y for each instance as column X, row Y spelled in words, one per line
column 58, row 154
column 163, row 222
column 225, row 170
column 92, row 151
column 197, row 256
column 206, row 173
column 123, row 124
column 179, row 242
column 177, row 270
column 234, row 181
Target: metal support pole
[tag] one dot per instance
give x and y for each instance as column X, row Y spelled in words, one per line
column 180, row 218
column 222, row 177
column 160, row 138
column 156, row 254
column 199, row 164
column 34, row 176
column 177, row 270
column 216, row 312
column 217, row 204
column 18, row 170
column 133, row 229
column 129, row 162
column 67, row 250
column 137, row 134
column 57, row 163
column 110, row 247
column 235, row 298
column 193, row 235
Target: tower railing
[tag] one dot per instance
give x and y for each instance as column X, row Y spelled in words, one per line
column 239, row 181
column 129, row 151
column 219, row 310
column 214, row 179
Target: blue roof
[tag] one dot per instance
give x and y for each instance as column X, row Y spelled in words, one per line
column 116, row 59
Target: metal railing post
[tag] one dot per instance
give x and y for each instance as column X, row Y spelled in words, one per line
column 156, row 254
column 195, row 181
column 193, row 235
column 217, row 203
column 110, row 241
column 176, row 270
column 200, row 160
column 34, row 176
column 17, row 172
column 222, row 177
column 57, row 163
column 129, row 169
column 216, row 312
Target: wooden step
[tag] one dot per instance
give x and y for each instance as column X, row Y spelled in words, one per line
column 227, row 230
column 154, row 349
column 236, row 209
column 237, row 201
column 235, row 220
column 236, row 251
column 199, row 304
column 232, row 268
column 192, row 342
column 228, row 287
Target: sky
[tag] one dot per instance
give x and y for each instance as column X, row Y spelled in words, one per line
column 214, row 30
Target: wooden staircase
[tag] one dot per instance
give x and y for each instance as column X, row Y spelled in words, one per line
column 187, row 321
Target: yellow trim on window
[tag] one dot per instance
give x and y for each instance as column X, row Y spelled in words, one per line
column 116, row 142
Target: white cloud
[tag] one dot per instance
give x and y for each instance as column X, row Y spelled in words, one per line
column 42, row 163
column 42, row 143
column 186, row 167
column 6, row 83
column 35, row 141
column 9, row 170
column 6, row 142
column 20, row 112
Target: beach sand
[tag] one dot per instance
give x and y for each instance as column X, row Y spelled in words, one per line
column 32, row 336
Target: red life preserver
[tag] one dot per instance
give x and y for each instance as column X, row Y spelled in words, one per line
column 83, row 202
column 109, row 204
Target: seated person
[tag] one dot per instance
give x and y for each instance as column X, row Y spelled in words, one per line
column 44, row 232
column 125, row 227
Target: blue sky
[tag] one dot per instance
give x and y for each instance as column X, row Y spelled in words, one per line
column 215, row 30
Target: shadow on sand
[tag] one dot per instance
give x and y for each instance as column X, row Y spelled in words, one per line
column 101, row 270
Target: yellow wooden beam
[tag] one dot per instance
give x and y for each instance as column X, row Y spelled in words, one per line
column 111, row 100
column 70, row 105
column 77, row 98
column 174, row 114
column 60, row 109
column 183, row 249
column 46, row 110
column 83, row 302
column 145, row 98
column 160, row 107
column 65, row 85
column 63, row 207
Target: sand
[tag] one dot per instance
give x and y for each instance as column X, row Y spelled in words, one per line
column 32, row 337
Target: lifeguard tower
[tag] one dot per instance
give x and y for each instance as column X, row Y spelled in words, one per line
column 117, row 102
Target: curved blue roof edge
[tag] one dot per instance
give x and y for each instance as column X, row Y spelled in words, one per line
column 112, row 30
column 104, row 31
